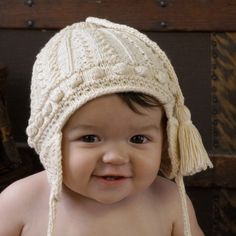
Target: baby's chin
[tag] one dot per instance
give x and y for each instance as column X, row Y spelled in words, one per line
column 110, row 201
column 116, row 200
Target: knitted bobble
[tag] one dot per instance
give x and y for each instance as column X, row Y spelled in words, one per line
column 161, row 76
column 57, row 97
column 97, row 73
column 47, row 110
column 193, row 156
column 31, row 144
column 120, row 68
column 141, row 70
column 76, row 80
column 39, row 121
column 31, row 131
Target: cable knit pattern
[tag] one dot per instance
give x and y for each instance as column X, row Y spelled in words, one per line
column 93, row 58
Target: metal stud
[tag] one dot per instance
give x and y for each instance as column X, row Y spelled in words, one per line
column 163, row 24
column 214, row 77
column 163, row 3
column 214, row 111
column 30, row 23
column 30, row 3
column 214, row 99
column 214, row 55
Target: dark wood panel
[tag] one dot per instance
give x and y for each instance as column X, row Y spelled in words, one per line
column 222, row 175
column 18, row 49
column 224, row 92
column 30, row 165
column 3, row 71
column 215, row 209
column 151, row 15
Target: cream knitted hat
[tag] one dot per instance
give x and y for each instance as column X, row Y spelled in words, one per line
column 97, row 57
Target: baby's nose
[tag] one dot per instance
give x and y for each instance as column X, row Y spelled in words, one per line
column 115, row 156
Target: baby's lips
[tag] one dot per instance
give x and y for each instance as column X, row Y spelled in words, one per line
column 112, row 175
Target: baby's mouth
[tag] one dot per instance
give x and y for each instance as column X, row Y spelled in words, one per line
column 112, row 178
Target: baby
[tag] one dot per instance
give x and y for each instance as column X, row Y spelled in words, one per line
column 107, row 114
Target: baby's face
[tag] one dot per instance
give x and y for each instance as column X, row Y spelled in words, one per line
column 111, row 153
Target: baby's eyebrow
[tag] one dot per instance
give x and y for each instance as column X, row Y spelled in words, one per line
column 132, row 128
column 147, row 127
column 82, row 127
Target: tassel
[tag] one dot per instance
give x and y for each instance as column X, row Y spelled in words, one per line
column 193, row 156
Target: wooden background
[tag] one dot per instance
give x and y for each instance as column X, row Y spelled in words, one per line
column 184, row 15
column 200, row 39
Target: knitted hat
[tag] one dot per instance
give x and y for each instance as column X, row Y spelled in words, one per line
column 97, row 57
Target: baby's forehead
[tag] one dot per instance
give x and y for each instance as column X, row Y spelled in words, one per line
column 110, row 109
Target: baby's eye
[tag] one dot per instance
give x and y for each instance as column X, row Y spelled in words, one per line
column 139, row 139
column 89, row 138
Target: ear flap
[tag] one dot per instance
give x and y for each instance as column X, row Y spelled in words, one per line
column 54, row 171
column 170, row 157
